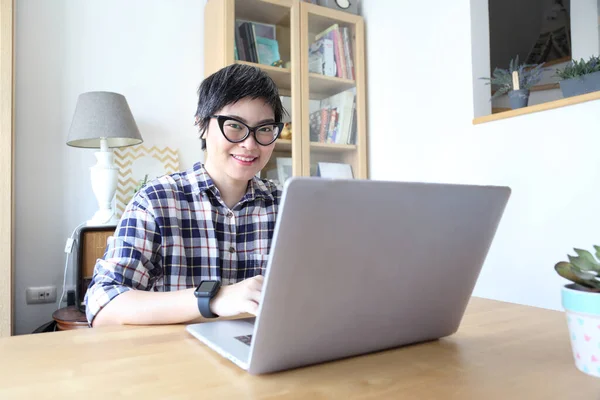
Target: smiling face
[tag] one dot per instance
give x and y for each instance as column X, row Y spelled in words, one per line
column 234, row 164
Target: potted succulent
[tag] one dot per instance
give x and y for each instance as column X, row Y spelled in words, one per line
column 518, row 92
column 581, row 301
column 580, row 77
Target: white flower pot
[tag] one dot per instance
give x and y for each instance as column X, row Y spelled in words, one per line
column 582, row 309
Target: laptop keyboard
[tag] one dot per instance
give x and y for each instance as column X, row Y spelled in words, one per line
column 246, row 339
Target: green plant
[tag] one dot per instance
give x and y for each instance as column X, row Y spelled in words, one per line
column 583, row 269
column 575, row 69
column 529, row 75
column 140, row 184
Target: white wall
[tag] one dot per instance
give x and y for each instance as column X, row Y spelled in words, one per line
column 549, row 159
column 151, row 51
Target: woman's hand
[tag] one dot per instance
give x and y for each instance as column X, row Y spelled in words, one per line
column 242, row 297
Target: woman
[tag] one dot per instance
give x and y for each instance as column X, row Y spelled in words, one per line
column 212, row 223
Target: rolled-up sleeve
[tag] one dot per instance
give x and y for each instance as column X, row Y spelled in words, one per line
column 132, row 259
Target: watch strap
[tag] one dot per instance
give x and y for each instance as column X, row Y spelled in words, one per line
column 204, row 307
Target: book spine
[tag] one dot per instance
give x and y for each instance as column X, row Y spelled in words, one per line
column 253, row 47
column 331, row 128
column 348, row 49
column 241, row 46
column 324, row 124
column 353, row 127
column 339, row 53
column 315, row 125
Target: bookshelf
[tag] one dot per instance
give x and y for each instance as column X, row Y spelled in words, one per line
column 334, row 103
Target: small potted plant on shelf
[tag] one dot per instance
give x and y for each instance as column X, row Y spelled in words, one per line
column 515, row 81
column 581, row 301
column 580, row 77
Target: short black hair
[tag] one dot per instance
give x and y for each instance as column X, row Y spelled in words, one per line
column 231, row 84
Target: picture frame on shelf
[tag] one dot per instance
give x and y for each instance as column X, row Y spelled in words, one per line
column 284, row 169
column 335, row 170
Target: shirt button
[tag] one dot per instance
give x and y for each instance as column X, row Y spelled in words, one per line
column 230, row 214
column 231, row 249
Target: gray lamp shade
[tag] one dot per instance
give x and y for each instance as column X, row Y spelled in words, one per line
column 103, row 115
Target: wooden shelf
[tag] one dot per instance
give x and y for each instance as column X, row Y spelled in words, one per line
column 281, row 76
column 331, row 147
column 322, row 86
column 547, row 86
column 569, row 101
column 275, row 12
column 283, row 145
column 286, row 145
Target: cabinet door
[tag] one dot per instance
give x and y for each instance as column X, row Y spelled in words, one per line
column 332, row 93
column 264, row 34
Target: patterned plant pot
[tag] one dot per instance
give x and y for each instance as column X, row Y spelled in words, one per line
column 582, row 309
column 584, row 84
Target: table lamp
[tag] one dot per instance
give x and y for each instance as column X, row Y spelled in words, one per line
column 103, row 121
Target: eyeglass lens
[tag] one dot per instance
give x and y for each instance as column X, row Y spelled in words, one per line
column 236, row 131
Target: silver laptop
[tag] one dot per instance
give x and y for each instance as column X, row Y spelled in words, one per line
column 358, row 266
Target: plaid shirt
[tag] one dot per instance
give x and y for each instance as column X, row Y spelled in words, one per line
column 177, row 231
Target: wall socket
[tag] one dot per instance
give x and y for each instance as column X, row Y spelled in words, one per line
column 41, row 294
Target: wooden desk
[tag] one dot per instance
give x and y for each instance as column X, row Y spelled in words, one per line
column 502, row 351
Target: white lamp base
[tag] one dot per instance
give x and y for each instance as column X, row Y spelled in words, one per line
column 104, row 184
column 103, row 217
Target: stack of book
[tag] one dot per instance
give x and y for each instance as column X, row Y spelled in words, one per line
column 331, row 53
column 255, row 42
column 335, row 121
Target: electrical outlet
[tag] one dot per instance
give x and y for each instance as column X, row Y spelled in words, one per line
column 39, row 295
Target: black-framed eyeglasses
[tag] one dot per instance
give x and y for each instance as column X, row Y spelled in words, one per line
column 235, row 131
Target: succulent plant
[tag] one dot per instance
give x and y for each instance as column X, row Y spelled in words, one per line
column 141, row 184
column 582, row 269
column 529, row 75
column 575, row 69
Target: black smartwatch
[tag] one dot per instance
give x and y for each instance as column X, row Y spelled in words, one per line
column 205, row 291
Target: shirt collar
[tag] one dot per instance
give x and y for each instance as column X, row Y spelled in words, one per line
column 256, row 187
column 203, row 181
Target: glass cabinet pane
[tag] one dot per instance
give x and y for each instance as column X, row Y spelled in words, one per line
column 332, row 123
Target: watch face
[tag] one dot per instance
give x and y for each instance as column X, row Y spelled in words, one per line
column 206, row 288
column 343, row 3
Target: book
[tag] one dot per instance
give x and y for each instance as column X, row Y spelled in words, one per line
column 333, row 33
column 315, row 125
column 267, row 49
column 342, row 103
column 322, row 52
column 247, row 35
column 325, row 115
column 331, row 130
column 348, row 50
